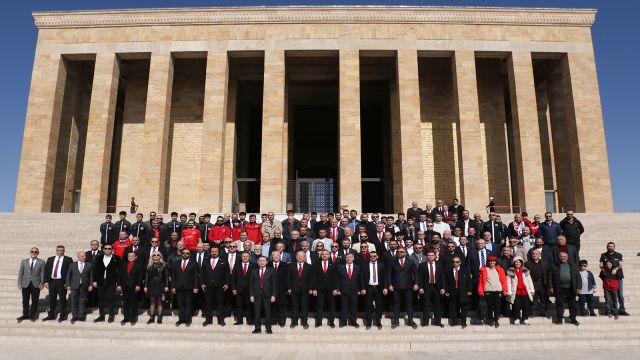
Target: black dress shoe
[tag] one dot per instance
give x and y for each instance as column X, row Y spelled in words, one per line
column 355, row 325
column 367, row 327
column 21, row 318
column 179, row 322
column 423, row 322
column 305, row 326
column 332, row 325
column 558, row 322
column 413, row 325
column 256, row 331
column 318, row 324
column 464, row 325
column 394, row 325
column 62, row 318
column 293, row 325
column 187, row 323
column 111, row 320
column 123, row 322
column 281, row 324
column 133, row 323
column 439, row 324
column 623, row 313
column 222, row 323
column 98, row 319
column 342, row 325
column 269, row 331
column 378, row 324
column 496, row 324
column 575, row 322
column 207, row 322
column 33, row 319
column 49, row 317
column 73, row 320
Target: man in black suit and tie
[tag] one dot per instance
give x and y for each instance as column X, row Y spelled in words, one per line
column 457, row 283
column 95, row 251
column 131, row 274
column 300, row 284
column 153, row 247
column 55, row 275
column 137, row 248
column 414, row 211
column 240, row 288
column 403, row 281
column 374, row 277
column 281, row 269
column 350, row 285
column 214, row 281
column 326, row 285
column 184, row 284
column 262, row 293
column 80, row 282
column 431, row 275
column 106, row 269
column 496, row 228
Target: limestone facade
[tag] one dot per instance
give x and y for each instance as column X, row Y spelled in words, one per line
column 483, row 102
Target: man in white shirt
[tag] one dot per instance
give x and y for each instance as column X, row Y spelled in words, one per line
column 440, row 226
column 322, row 238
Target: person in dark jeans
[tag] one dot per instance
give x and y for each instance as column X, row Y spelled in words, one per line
column 616, row 260
column 585, row 297
column 566, row 284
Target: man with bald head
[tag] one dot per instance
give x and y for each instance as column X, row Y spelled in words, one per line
column 566, row 284
column 79, row 281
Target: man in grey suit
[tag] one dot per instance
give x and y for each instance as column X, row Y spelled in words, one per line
column 79, row 281
column 30, row 282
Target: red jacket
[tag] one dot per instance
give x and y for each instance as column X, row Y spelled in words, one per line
column 254, row 232
column 482, row 280
column 119, row 246
column 235, row 232
column 219, row 233
column 190, row 238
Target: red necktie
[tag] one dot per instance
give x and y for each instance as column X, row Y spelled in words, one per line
column 349, row 271
column 333, row 258
column 55, row 268
column 456, row 275
column 275, row 266
column 184, row 264
column 402, row 263
column 324, row 266
column 213, row 263
column 261, row 275
column 129, row 267
column 244, row 270
column 299, row 270
column 295, row 245
column 432, row 275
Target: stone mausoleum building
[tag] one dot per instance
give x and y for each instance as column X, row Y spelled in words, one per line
column 312, row 108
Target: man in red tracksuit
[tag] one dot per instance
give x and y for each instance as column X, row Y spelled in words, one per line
column 191, row 236
column 219, row 232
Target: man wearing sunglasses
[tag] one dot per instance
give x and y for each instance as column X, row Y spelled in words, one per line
column 30, row 282
column 105, row 277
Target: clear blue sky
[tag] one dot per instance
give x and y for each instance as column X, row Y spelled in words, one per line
column 616, row 35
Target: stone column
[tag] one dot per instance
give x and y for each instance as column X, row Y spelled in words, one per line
column 38, row 158
column 349, row 149
column 473, row 193
column 526, row 133
column 97, row 155
column 410, row 144
column 589, row 150
column 153, row 170
column 229, row 153
column 273, row 163
column 213, row 131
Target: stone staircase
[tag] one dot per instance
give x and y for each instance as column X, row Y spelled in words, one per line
column 18, row 232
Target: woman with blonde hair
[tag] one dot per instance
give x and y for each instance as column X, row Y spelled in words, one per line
column 156, row 285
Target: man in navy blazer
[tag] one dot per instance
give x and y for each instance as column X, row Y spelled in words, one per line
column 350, row 285
column 403, row 281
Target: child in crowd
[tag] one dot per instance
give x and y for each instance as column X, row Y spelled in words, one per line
column 610, row 285
column 587, row 290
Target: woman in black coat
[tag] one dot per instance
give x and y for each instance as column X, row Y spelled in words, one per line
column 156, row 285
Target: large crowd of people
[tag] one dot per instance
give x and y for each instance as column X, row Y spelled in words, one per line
column 438, row 262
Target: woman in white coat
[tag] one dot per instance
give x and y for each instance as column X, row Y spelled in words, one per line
column 520, row 292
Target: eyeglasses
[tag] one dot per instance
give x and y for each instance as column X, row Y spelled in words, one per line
column 186, row 253
column 156, row 255
column 34, row 251
column 456, row 262
column 106, row 248
column 233, row 247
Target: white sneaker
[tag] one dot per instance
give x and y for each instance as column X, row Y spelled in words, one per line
column 526, row 322
column 516, row 322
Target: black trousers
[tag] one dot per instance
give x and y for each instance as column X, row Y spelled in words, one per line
column 521, row 304
column 431, row 301
column 57, row 292
column 457, row 309
column 494, row 301
column 374, row 295
column 348, row 308
column 30, row 293
column 300, row 307
column 260, row 301
column 279, row 308
column 185, row 304
column 565, row 297
column 129, row 304
column 540, row 300
column 325, row 302
column 106, row 298
column 214, row 296
column 78, row 299
column 243, row 308
column 398, row 296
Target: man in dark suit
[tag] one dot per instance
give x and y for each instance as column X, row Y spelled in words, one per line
column 131, row 275
column 375, row 284
column 95, row 251
column 496, row 228
column 300, row 284
column 137, row 248
column 457, row 283
column 80, row 282
column 403, row 281
column 240, row 289
column 326, row 285
column 456, row 208
column 414, row 211
column 184, row 284
column 153, row 247
column 106, row 269
column 465, row 223
column 563, row 246
column 431, row 283
column 350, row 285
column 30, row 282
column 263, row 285
column 55, row 275
column 214, row 281
column 281, row 269
column 565, row 286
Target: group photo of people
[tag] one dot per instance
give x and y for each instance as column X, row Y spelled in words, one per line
column 423, row 267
